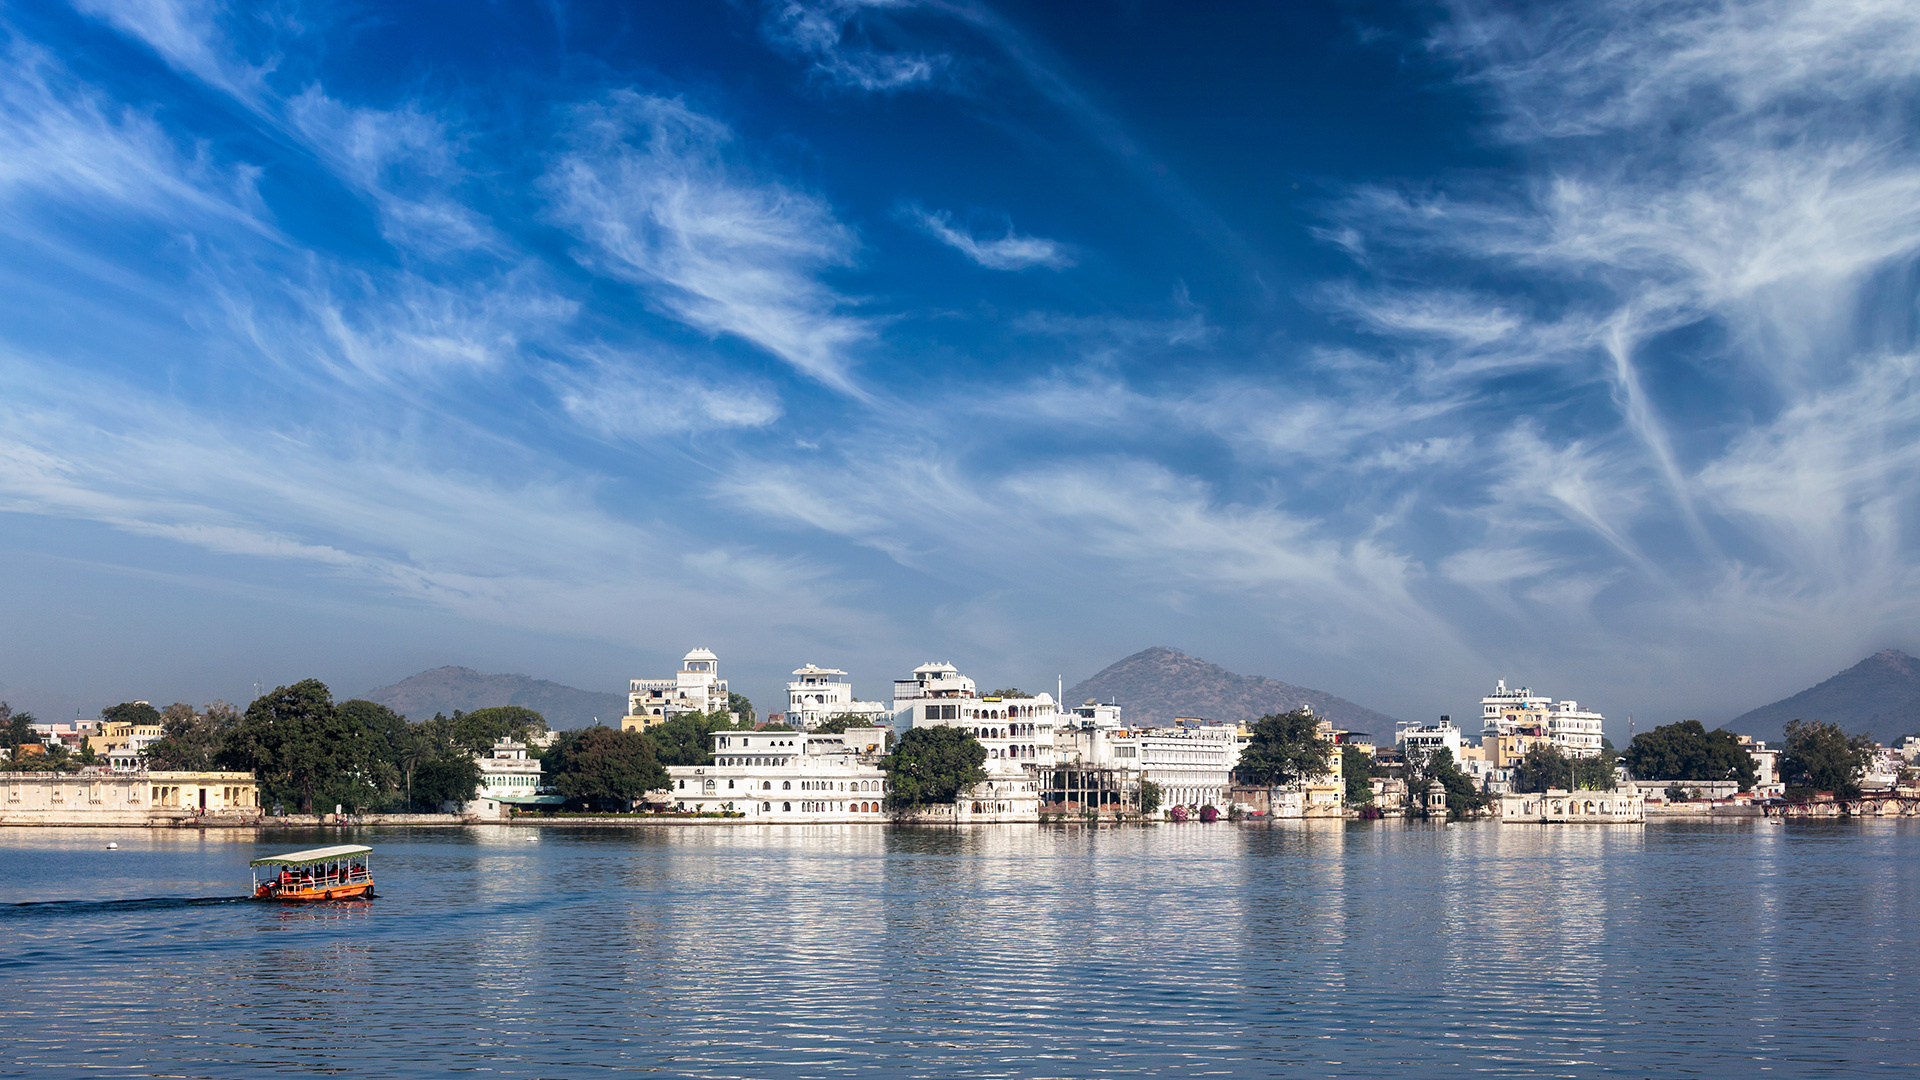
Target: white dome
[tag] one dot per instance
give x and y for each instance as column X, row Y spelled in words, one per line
column 699, row 654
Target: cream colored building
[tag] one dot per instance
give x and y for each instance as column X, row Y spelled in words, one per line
column 819, row 694
column 102, row 797
column 781, row 775
column 1556, row 806
column 696, row 687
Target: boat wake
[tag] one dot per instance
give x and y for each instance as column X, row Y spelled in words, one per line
column 64, row 908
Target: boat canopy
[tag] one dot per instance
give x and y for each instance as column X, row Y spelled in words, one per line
column 314, row 855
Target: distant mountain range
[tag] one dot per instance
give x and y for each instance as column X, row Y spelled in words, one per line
column 1879, row 696
column 1155, row 685
column 445, row 689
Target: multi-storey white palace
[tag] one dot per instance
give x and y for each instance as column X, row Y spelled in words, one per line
column 1017, row 732
column 783, row 775
column 819, row 694
column 1521, row 715
column 696, row 687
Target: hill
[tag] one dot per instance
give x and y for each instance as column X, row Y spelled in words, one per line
column 1879, row 696
column 1155, row 685
column 445, row 689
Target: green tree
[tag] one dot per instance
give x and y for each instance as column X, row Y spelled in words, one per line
column 441, row 775
column 1819, row 756
column 603, row 768
column 839, row 723
column 16, row 730
column 742, row 709
column 1688, row 751
column 131, row 712
column 1011, row 691
column 1356, row 768
column 302, row 749
column 1150, row 796
column 1284, row 748
column 481, row 728
column 687, row 739
column 1464, row 797
column 1543, row 766
column 931, row 766
column 1596, row 773
column 190, row 740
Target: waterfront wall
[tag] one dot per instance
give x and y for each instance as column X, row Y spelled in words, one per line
column 101, row 797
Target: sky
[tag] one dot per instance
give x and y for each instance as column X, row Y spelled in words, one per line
column 1388, row 349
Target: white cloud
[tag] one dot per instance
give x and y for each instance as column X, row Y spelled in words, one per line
column 185, row 33
column 825, row 33
column 1009, row 252
column 647, row 188
column 623, row 397
column 404, row 160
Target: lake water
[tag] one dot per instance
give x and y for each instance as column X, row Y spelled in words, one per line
column 1292, row 949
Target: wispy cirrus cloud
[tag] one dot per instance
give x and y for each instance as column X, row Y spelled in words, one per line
column 647, row 187
column 830, row 35
column 1011, row 251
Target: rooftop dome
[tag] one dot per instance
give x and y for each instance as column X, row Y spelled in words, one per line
column 700, row 654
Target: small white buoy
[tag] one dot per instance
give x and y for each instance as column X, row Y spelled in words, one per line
column 112, row 846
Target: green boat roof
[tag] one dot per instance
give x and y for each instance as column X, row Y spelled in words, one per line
column 314, row 855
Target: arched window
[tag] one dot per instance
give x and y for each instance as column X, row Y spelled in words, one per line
column 786, row 785
column 766, row 806
column 766, row 785
column 976, row 808
column 786, row 806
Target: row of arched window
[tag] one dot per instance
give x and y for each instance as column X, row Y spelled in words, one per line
column 825, row 807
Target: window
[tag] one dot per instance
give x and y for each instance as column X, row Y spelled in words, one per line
column 786, row 785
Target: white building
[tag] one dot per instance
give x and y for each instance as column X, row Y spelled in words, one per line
column 1192, row 764
column 1018, row 734
column 819, row 694
column 1419, row 740
column 508, row 778
column 1520, row 712
column 696, row 687
column 793, row 776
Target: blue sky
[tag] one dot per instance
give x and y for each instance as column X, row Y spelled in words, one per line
column 1387, row 349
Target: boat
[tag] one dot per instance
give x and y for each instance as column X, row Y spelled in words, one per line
column 316, row 875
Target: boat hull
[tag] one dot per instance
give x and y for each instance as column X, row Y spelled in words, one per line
column 319, row 894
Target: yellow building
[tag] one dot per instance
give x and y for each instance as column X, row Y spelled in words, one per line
column 100, row 797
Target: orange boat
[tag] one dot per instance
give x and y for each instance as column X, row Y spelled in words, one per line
column 317, row 875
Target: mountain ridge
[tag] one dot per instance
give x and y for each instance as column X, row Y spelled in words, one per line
column 1157, row 684
column 1879, row 696
column 444, row 689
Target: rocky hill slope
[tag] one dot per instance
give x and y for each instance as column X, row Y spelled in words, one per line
column 445, row 689
column 1879, row 696
column 1155, row 685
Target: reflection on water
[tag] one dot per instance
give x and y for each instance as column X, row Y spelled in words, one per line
column 1302, row 948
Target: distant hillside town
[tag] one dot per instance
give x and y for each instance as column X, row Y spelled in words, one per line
column 940, row 749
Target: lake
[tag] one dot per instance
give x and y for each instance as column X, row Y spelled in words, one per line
column 1309, row 949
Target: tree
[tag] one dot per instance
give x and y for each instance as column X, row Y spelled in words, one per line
column 301, row 749
column 189, row 740
column 931, row 766
column 1543, row 766
column 1284, row 748
column 16, row 730
column 603, row 768
column 1011, row 691
column 1688, row 751
column 687, row 739
column 481, row 728
column 1357, row 769
column 1820, row 756
column 131, row 712
column 1464, row 797
column 740, row 707
column 1150, row 796
column 1596, row 773
column 840, row 722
